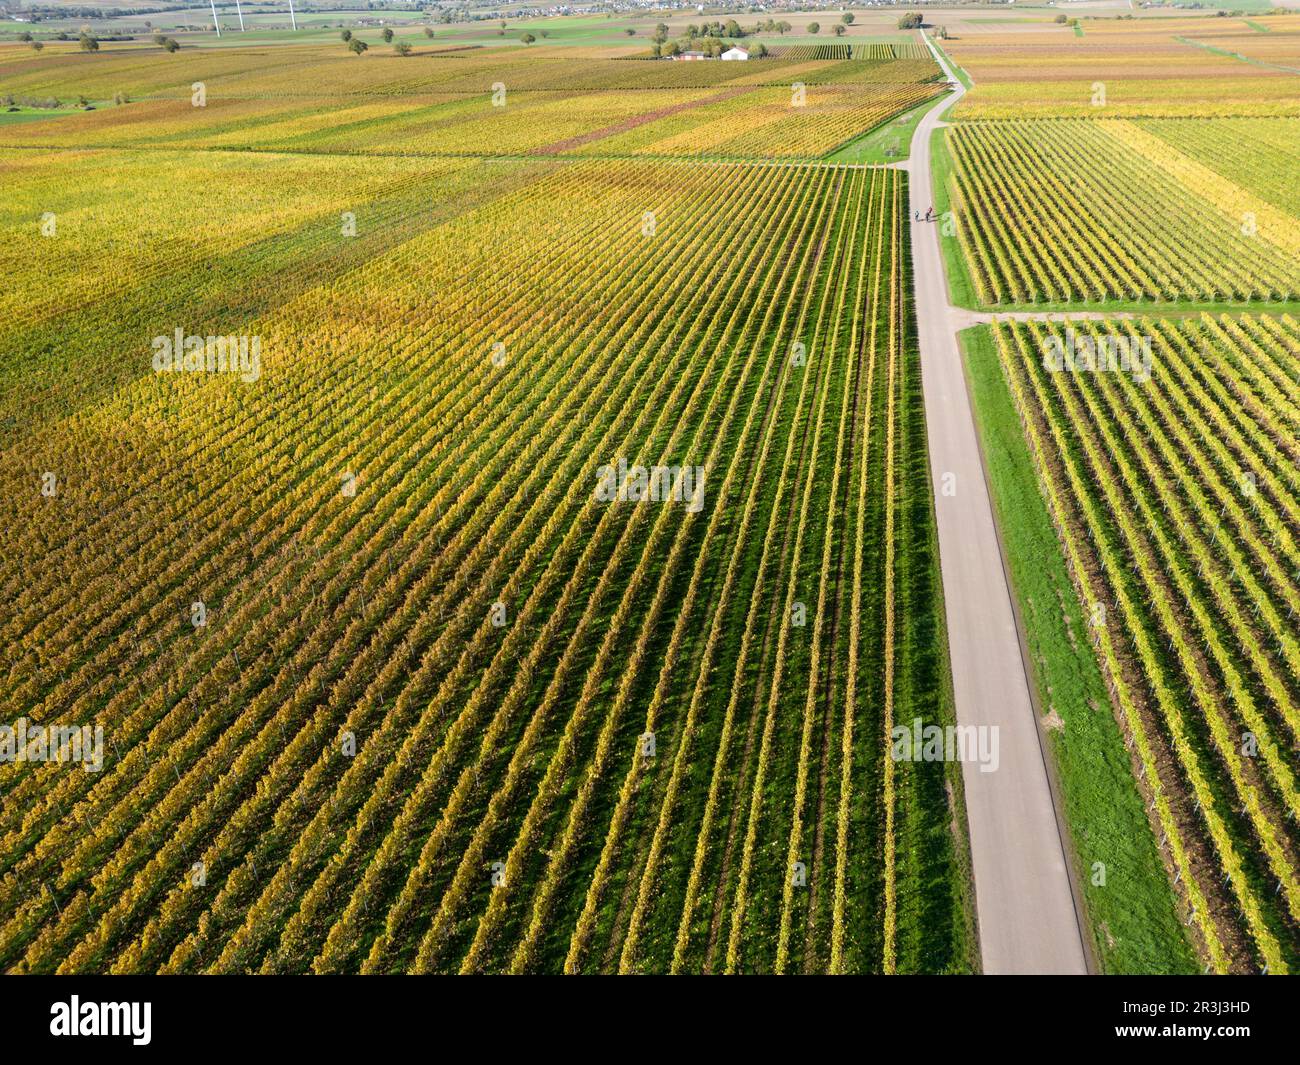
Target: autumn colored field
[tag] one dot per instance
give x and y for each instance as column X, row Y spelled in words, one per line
column 1181, row 551
column 388, row 681
column 1143, row 457
column 478, row 491
column 1193, row 67
column 1110, row 210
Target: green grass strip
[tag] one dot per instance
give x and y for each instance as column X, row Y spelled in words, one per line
column 961, row 289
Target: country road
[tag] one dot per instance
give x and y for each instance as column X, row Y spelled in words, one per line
column 1026, row 910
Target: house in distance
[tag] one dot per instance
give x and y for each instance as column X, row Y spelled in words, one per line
column 731, row 53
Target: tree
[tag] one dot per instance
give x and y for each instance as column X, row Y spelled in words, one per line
column 528, row 38
column 346, row 35
column 760, row 50
column 672, row 48
column 630, row 31
column 24, row 37
column 172, row 45
column 1061, row 19
column 840, row 29
column 402, row 48
column 847, row 18
column 428, row 31
column 88, row 43
column 911, row 21
column 388, row 35
column 37, row 46
column 814, row 27
column 783, row 28
column 357, row 45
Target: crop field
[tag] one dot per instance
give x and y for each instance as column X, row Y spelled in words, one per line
column 312, row 70
column 390, row 677
column 476, row 103
column 1111, row 210
column 1259, row 155
column 471, row 502
column 749, row 122
column 1157, row 68
column 1251, row 95
column 1174, row 488
column 1138, row 179
column 132, row 260
column 901, row 49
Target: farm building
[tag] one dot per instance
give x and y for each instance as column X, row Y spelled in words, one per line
column 730, row 53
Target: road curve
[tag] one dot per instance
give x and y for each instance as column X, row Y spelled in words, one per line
column 1028, row 922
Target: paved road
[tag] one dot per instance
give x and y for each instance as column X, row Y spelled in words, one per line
column 1027, row 917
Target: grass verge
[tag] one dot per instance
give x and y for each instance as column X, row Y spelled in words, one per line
column 961, row 289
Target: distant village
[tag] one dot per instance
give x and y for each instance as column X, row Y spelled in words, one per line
column 460, row 11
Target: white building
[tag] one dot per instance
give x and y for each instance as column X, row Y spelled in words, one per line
column 735, row 53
